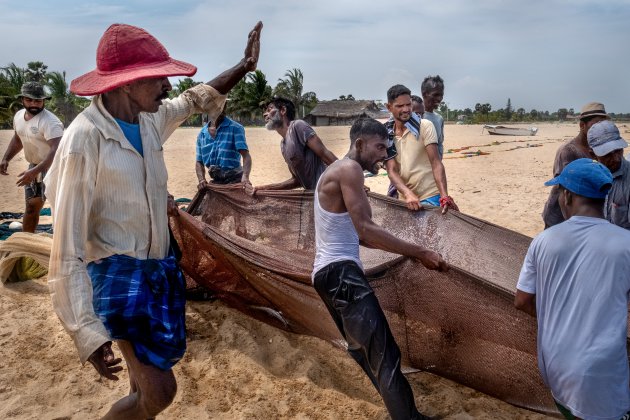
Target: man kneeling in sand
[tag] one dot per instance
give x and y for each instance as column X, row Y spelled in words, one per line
column 343, row 219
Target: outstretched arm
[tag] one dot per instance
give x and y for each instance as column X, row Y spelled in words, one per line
column 289, row 184
column 229, row 78
column 393, row 173
column 15, row 145
column 317, row 146
column 356, row 202
column 439, row 174
column 30, row 175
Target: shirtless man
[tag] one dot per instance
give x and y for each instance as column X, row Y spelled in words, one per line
column 343, row 219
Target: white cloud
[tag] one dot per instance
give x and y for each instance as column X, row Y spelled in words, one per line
column 543, row 54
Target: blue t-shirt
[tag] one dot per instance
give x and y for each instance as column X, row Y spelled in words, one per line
column 223, row 149
column 132, row 133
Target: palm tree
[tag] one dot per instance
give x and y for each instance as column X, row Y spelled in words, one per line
column 249, row 96
column 179, row 88
column 12, row 78
column 291, row 88
column 64, row 104
column 36, row 71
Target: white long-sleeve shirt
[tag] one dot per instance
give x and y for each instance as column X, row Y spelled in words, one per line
column 107, row 199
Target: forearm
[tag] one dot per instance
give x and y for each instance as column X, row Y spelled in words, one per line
column 200, row 170
column 71, row 189
column 44, row 165
column 374, row 236
column 84, row 327
column 15, row 145
column 329, row 157
column 393, row 173
column 289, row 184
column 525, row 302
column 229, row 78
column 247, row 166
column 439, row 174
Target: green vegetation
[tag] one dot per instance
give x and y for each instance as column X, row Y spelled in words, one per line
column 483, row 114
column 246, row 99
column 63, row 103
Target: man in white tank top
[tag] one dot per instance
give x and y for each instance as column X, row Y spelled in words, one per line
column 343, row 219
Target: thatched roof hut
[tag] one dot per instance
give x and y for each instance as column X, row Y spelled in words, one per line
column 343, row 112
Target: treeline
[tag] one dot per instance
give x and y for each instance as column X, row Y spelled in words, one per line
column 246, row 99
column 245, row 103
column 63, row 103
column 483, row 114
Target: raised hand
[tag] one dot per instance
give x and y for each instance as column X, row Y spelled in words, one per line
column 252, row 50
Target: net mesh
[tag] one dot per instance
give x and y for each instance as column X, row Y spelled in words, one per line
column 256, row 253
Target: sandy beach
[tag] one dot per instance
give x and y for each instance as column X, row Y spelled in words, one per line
column 238, row 368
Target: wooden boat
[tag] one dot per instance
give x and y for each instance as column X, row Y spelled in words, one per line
column 502, row 130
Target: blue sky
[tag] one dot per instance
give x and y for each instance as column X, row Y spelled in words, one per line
column 540, row 54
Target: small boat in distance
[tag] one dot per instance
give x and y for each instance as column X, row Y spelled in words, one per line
column 502, row 130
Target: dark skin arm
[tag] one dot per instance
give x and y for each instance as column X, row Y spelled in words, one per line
column 104, row 361
column 289, row 184
column 15, row 145
column 200, row 170
column 247, row 169
column 229, row 78
column 317, row 146
column 171, row 206
column 393, row 173
column 29, row 176
column 349, row 180
column 525, row 302
column 439, row 174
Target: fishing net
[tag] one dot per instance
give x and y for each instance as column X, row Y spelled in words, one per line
column 256, row 253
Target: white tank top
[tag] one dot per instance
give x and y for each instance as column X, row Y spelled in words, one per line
column 336, row 239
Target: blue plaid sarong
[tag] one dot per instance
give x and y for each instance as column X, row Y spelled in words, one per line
column 142, row 301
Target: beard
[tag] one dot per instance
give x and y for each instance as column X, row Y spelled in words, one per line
column 404, row 117
column 375, row 168
column 274, row 122
column 372, row 167
column 34, row 110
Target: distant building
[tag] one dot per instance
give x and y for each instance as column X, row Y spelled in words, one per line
column 344, row 112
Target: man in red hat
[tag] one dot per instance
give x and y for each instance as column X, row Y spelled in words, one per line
column 113, row 275
column 37, row 131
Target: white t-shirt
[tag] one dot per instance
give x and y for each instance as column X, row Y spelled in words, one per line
column 579, row 271
column 36, row 132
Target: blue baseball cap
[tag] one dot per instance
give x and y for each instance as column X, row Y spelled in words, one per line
column 585, row 177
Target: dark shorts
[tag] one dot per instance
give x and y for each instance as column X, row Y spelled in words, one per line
column 36, row 188
column 228, row 176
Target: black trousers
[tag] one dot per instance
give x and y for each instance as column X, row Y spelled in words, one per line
column 360, row 319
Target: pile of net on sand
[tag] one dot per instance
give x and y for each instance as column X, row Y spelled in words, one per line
column 256, row 254
column 24, row 256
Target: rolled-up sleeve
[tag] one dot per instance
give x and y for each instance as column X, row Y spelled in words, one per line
column 199, row 99
column 70, row 187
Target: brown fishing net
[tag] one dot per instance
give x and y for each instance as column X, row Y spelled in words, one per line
column 257, row 255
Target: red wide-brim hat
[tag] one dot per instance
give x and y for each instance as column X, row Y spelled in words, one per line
column 125, row 54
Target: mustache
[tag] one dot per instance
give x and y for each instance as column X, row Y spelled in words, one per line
column 163, row 96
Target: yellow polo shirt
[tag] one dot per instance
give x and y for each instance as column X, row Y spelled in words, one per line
column 415, row 167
